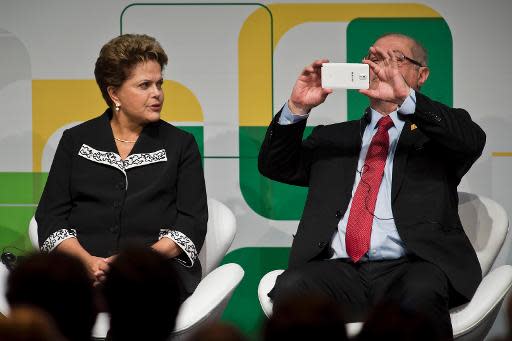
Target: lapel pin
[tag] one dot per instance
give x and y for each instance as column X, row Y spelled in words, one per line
column 413, row 126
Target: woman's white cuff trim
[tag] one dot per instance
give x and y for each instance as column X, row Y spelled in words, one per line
column 56, row 238
column 189, row 254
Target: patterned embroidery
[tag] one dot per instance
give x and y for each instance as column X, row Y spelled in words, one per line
column 106, row 158
column 56, row 238
column 143, row 159
column 184, row 242
column 114, row 160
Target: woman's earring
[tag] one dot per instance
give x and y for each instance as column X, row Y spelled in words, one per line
column 117, row 106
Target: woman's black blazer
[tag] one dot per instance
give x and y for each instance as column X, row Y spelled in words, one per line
column 108, row 203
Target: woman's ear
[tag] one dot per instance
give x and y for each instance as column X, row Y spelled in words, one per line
column 112, row 92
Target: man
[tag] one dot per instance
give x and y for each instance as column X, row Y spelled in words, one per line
column 380, row 220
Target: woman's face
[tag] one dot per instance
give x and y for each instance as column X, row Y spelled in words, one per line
column 141, row 96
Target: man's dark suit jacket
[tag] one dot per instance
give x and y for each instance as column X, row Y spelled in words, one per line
column 436, row 148
column 112, row 204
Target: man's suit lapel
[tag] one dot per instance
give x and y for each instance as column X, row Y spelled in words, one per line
column 407, row 139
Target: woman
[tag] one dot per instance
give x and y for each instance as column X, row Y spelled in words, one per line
column 126, row 177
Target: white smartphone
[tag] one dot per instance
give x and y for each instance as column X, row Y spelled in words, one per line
column 345, row 76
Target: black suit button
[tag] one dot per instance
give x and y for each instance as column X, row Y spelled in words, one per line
column 321, row 245
column 114, row 229
column 338, row 214
column 435, row 116
column 120, row 185
column 117, row 204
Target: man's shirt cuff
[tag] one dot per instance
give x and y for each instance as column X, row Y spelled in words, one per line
column 408, row 107
column 287, row 117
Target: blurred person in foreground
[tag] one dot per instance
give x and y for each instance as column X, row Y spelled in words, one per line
column 138, row 295
column 390, row 321
column 27, row 323
column 218, row 331
column 305, row 317
column 59, row 285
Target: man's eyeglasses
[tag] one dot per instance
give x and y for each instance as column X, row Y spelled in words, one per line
column 400, row 58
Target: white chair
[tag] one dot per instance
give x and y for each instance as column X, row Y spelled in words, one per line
column 4, row 306
column 486, row 224
column 213, row 293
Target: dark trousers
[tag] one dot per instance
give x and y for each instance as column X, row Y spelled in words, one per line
column 414, row 284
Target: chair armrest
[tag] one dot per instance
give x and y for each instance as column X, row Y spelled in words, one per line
column 211, row 291
column 266, row 284
column 491, row 291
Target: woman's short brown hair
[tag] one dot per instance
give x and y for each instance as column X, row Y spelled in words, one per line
column 119, row 56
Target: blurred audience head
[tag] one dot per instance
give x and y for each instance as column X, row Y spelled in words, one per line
column 59, row 285
column 312, row 317
column 389, row 321
column 218, row 332
column 142, row 295
column 27, row 323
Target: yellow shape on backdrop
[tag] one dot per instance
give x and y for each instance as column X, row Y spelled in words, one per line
column 255, row 47
column 56, row 103
column 502, row 154
column 254, row 69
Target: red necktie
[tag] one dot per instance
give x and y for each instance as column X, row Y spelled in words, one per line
column 360, row 219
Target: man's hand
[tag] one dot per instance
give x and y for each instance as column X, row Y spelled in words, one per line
column 307, row 92
column 387, row 83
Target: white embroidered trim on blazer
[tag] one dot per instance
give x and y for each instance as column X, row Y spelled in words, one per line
column 188, row 247
column 56, row 238
column 114, row 160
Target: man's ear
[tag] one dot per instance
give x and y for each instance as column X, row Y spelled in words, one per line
column 112, row 92
column 423, row 75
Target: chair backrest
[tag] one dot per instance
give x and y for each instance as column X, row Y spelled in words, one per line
column 486, row 225
column 32, row 233
column 4, row 274
column 219, row 236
